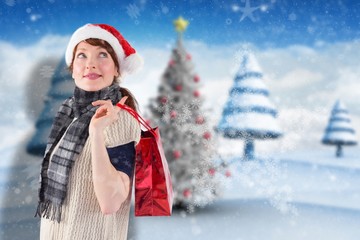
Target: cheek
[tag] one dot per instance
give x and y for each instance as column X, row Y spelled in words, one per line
column 109, row 69
column 77, row 70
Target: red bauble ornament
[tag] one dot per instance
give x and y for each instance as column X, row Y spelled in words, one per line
column 187, row 193
column 228, row 173
column 207, row 135
column 173, row 114
column 212, row 171
column 196, row 93
column 171, row 63
column 199, row 120
column 188, row 56
column 177, row 154
column 196, row 78
column 163, row 100
column 178, row 88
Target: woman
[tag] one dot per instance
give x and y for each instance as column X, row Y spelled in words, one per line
column 89, row 160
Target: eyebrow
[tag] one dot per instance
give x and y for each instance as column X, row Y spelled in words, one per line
column 84, row 49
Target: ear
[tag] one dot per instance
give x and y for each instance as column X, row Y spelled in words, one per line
column 117, row 73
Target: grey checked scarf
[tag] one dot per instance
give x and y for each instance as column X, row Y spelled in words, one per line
column 72, row 121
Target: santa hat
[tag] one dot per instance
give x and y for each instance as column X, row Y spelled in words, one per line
column 128, row 59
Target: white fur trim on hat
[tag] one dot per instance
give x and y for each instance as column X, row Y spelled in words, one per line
column 128, row 64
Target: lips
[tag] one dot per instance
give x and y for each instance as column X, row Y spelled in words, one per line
column 92, row 76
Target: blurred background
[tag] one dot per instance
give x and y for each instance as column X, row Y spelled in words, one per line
column 305, row 55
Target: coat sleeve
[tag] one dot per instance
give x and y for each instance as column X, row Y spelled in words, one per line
column 122, row 157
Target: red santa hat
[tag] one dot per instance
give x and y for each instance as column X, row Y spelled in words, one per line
column 128, row 59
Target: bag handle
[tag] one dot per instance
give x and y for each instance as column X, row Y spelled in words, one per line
column 141, row 120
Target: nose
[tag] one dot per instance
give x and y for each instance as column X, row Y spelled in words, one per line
column 90, row 63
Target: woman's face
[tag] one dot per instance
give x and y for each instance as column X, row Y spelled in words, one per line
column 93, row 67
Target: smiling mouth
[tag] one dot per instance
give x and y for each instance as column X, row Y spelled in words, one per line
column 92, row 76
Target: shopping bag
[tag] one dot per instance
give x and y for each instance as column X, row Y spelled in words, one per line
column 153, row 187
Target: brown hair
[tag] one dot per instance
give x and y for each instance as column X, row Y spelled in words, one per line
column 130, row 101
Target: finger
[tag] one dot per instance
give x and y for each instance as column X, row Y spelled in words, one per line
column 108, row 111
column 101, row 102
column 104, row 104
column 100, row 112
column 123, row 100
column 102, row 108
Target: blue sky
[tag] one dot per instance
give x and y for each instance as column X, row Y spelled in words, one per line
column 272, row 23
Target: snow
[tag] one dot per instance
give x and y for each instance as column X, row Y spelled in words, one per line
column 248, row 64
column 252, row 220
column 248, row 100
column 340, row 124
column 250, row 120
column 251, row 83
column 311, row 196
column 340, row 136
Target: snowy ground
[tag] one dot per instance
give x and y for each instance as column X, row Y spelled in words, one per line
column 301, row 196
column 254, row 219
column 295, row 196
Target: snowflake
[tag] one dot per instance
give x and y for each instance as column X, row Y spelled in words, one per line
column 280, row 200
column 197, row 129
column 165, row 108
column 262, row 176
column 228, row 21
column 32, row 173
column 10, row 3
column 208, row 187
column 292, row 16
column 248, row 11
column 64, row 73
column 164, row 9
column 133, row 11
column 47, row 71
column 35, row 17
column 190, row 208
column 17, row 191
column 185, row 114
column 240, row 53
column 196, row 172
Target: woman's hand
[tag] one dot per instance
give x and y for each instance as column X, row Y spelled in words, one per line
column 105, row 115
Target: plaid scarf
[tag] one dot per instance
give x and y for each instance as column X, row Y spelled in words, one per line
column 67, row 138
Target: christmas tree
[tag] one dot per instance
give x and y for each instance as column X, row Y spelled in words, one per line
column 248, row 113
column 187, row 140
column 61, row 88
column 339, row 131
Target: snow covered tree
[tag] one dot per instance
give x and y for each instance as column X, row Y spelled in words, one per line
column 62, row 87
column 248, row 113
column 187, row 139
column 339, row 131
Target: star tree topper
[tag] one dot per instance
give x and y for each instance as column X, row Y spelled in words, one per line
column 180, row 24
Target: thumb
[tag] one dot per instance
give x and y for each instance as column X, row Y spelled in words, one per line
column 123, row 100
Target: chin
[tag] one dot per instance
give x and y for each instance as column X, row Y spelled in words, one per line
column 91, row 88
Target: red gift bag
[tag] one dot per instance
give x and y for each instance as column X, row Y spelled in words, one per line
column 153, row 187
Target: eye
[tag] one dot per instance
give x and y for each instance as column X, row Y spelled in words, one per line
column 103, row 54
column 80, row 55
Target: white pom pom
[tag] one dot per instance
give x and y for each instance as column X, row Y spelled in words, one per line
column 131, row 64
